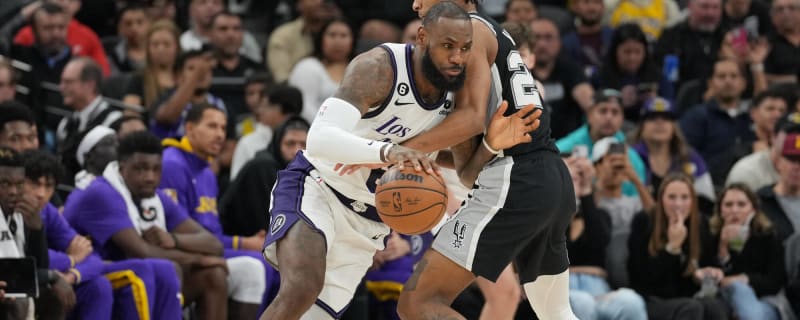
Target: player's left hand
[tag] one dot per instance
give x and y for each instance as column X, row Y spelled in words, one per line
column 505, row 132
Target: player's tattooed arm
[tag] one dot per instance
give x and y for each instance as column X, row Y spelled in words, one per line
column 368, row 80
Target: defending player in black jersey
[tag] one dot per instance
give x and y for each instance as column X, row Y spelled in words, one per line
column 522, row 201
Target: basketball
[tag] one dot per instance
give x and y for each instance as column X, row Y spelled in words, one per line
column 410, row 202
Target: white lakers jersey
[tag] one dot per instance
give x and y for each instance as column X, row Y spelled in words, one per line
column 401, row 116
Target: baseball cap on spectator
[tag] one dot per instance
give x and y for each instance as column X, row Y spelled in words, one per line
column 789, row 123
column 606, row 95
column 601, row 148
column 791, row 147
column 657, row 107
column 90, row 140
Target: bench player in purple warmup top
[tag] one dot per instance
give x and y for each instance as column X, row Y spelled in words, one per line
column 142, row 288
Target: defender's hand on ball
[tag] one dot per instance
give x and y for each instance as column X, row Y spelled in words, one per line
column 505, row 132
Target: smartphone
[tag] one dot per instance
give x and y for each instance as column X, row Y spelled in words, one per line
column 617, row 147
column 20, row 277
column 750, row 26
column 740, row 40
column 580, row 151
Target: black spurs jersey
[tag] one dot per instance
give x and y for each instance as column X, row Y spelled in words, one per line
column 513, row 82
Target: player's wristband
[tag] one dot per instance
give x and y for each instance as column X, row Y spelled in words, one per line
column 486, row 145
column 385, row 152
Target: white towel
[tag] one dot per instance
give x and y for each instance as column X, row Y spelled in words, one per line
column 152, row 213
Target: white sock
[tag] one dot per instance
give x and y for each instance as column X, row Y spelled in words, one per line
column 549, row 297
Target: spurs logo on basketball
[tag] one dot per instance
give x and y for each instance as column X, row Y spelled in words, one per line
column 278, row 223
column 148, row 214
column 397, row 203
column 459, row 229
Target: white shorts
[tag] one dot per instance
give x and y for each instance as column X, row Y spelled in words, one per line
column 351, row 240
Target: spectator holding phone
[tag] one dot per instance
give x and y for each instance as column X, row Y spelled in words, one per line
column 749, row 51
column 663, row 148
column 587, row 237
column 604, row 119
column 613, row 169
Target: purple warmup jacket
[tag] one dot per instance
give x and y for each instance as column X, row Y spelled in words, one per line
column 100, row 212
column 189, row 180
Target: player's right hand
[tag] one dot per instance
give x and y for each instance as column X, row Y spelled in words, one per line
column 402, row 156
column 79, row 248
column 505, row 132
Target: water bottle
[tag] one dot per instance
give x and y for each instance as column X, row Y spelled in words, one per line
column 671, row 66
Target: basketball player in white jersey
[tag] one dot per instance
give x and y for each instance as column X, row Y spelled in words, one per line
column 522, row 202
column 388, row 95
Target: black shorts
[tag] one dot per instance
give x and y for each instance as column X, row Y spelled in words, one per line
column 518, row 212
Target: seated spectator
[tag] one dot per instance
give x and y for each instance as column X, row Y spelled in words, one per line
column 129, row 52
column 613, row 168
column 97, row 149
column 161, row 10
column 665, row 250
column 653, row 16
column 410, row 31
column 765, row 111
column 232, row 68
column 664, row 150
column 80, row 86
column 587, row 237
column 47, row 58
column 158, row 75
column 282, row 102
column 373, row 32
column 782, row 200
column 82, row 40
column 292, row 41
column 604, row 119
column 750, row 55
column 747, row 251
column 129, row 124
column 522, row 11
column 110, row 213
column 193, row 79
column 188, row 178
column 23, row 236
column 749, row 14
column 201, row 13
column 71, row 255
column 8, row 81
column 629, row 68
column 17, row 127
column 693, row 42
column 759, row 169
column 588, row 44
column 567, row 89
column 783, row 62
column 248, row 195
column 319, row 75
column 255, row 86
column 720, row 130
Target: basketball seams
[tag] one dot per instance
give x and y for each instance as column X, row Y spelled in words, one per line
column 416, row 212
column 414, row 188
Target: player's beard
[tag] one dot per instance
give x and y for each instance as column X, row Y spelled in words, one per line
column 438, row 79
